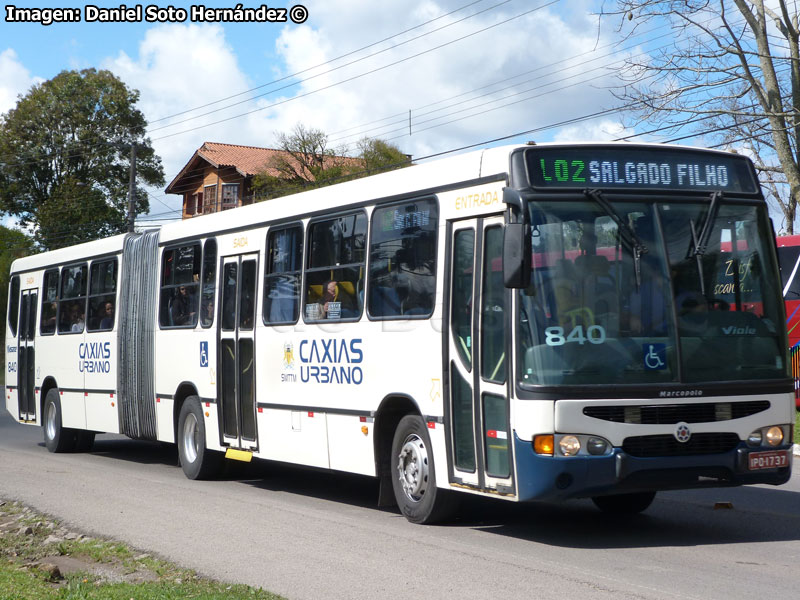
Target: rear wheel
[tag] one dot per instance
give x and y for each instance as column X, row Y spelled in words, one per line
column 413, row 475
column 624, row 504
column 197, row 461
column 56, row 437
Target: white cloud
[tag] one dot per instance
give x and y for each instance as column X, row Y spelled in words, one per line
column 523, row 63
column 591, row 132
column 15, row 80
column 438, row 86
column 180, row 67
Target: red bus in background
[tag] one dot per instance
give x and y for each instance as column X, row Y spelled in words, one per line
column 789, row 260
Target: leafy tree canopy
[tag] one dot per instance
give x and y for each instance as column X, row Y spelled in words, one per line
column 732, row 75
column 307, row 161
column 13, row 244
column 65, row 157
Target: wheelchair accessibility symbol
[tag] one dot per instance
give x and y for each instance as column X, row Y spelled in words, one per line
column 203, row 354
column 654, row 356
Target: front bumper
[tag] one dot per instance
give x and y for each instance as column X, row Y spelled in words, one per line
column 557, row 478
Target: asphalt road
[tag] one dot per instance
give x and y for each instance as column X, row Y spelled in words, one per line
column 315, row 535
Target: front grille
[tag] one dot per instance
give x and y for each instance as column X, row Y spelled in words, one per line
column 667, row 414
column 648, row 446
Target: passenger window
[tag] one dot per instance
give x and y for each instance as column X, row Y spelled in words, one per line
column 282, row 275
column 461, row 317
column 402, row 255
column 209, row 283
column 335, row 272
column 72, row 302
column 180, row 286
column 49, row 303
column 13, row 305
column 102, row 295
column 493, row 298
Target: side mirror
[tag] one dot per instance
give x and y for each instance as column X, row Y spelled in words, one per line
column 517, row 255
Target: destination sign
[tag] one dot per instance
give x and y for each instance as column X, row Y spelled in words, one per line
column 633, row 167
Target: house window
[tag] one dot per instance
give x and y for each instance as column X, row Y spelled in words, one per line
column 199, row 203
column 210, row 195
column 191, row 204
column 230, row 195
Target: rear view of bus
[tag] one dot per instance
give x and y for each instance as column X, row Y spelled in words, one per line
column 651, row 314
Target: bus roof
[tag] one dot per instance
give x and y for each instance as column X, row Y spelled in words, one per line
column 483, row 163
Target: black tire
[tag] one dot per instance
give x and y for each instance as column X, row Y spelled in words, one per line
column 413, row 475
column 56, row 438
column 197, row 461
column 624, row 504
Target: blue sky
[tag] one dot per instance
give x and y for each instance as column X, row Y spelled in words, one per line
column 468, row 70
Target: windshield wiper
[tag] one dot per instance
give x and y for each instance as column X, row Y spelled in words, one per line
column 626, row 232
column 701, row 241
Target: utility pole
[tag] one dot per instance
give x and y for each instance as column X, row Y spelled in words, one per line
column 132, row 190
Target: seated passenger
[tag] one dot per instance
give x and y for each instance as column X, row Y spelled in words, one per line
column 335, row 303
column 107, row 320
column 76, row 318
column 182, row 309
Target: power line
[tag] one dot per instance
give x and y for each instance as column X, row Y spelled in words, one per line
column 330, row 70
column 322, row 64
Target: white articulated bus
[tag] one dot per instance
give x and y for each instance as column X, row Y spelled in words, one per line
column 536, row 322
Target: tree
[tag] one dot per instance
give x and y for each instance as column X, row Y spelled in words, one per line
column 65, row 157
column 732, row 75
column 306, row 161
column 379, row 156
column 13, row 244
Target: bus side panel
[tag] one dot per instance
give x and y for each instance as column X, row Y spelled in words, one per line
column 59, row 356
column 179, row 359
column 11, row 377
column 351, row 444
column 100, row 361
column 295, row 436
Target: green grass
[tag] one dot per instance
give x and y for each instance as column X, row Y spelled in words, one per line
column 797, row 428
column 23, row 576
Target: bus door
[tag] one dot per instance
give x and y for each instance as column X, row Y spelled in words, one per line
column 479, row 436
column 237, row 379
column 26, row 356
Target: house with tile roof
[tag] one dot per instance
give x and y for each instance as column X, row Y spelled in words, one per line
column 220, row 176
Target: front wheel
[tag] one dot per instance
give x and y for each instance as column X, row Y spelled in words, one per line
column 413, row 475
column 624, row 504
column 56, row 438
column 197, row 461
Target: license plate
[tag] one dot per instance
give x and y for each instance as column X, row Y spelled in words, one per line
column 768, row 460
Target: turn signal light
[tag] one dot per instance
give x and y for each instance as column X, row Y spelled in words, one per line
column 543, row 444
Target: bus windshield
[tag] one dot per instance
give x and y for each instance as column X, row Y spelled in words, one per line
column 676, row 305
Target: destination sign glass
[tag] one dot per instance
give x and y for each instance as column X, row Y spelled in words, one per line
column 637, row 167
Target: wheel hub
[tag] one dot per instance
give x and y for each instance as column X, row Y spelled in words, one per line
column 50, row 421
column 412, row 468
column 190, row 433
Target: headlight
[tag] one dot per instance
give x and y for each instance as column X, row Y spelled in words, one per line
column 774, row 436
column 596, row 446
column 754, row 439
column 569, row 445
